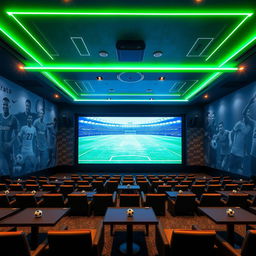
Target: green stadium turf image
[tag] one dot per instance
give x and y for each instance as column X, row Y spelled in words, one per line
column 130, row 149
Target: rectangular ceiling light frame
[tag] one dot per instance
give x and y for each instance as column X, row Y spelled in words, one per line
column 186, row 98
column 160, row 13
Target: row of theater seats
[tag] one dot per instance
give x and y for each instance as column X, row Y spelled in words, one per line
column 182, row 204
column 177, row 242
column 168, row 242
column 58, row 243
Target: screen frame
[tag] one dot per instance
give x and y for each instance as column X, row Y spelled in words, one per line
column 125, row 166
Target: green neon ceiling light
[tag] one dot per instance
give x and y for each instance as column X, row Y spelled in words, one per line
column 131, row 100
column 188, row 96
column 120, row 12
column 201, row 86
column 40, row 45
column 207, row 82
column 131, row 94
column 141, row 68
column 234, row 30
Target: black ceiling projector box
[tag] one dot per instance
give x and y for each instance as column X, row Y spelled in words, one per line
column 130, row 50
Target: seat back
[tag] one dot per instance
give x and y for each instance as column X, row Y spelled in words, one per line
column 78, row 204
column 230, row 187
column 163, row 188
column 198, row 189
column 181, row 187
column 68, row 242
column 25, row 200
column 14, row 243
column 238, row 200
column 144, row 186
column 3, row 187
column 98, row 185
column 16, row 187
column 185, row 204
column 66, row 189
column 157, row 202
column 212, row 199
column 53, row 200
column 49, row 187
column 129, row 200
column 31, row 187
column 248, row 246
column 111, row 186
column 84, row 187
column 247, row 187
column 101, row 202
column 213, row 188
column 192, row 242
column 4, row 201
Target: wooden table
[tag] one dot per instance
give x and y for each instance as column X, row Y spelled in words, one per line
column 219, row 216
column 38, row 194
column 6, row 212
column 119, row 216
column 174, row 194
column 227, row 193
column 89, row 194
column 26, row 218
column 125, row 188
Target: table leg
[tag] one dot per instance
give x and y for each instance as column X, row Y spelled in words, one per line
column 230, row 233
column 129, row 248
column 34, row 236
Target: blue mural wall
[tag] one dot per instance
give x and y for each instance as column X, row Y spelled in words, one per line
column 28, row 129
column 230, row 132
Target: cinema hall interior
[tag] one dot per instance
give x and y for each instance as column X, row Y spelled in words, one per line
column 127, row 128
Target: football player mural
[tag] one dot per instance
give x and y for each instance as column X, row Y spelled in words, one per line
column 230, row 132
column 28, row 130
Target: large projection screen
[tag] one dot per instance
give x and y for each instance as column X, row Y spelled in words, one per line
column 129, row 140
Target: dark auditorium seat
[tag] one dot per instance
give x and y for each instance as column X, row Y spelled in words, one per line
column 79, row 205
column 247, row 248
column 16, row 187
column 210, row 200
column 236, row 200
column 101, row 202
column 175, row 242
column 87, row 242
column 184, row 204
column 53, row 200
column 111, row 186
column 5, row 202
column 66, row 189
column 198, row 190
column 129, row 200
column 16, row 244
column 156, row 201
column 25, row 201
column 49, row 187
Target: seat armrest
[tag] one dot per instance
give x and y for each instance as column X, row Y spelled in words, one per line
column 66, row 202
column 40, row 202
column 224, row 248
column 114, row 198
column 12, row 203
column 223, row 201
column 98, row 241
column 143, row 197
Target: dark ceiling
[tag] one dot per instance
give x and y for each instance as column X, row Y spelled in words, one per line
column 62, row 41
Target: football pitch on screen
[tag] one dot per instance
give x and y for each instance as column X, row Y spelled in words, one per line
column 130, row 149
